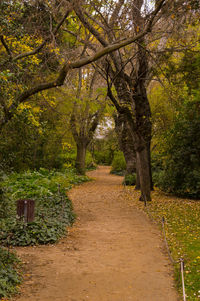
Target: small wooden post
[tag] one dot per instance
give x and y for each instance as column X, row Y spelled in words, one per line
column 25, row 208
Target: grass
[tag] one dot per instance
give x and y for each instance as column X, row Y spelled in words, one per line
column 182, row 226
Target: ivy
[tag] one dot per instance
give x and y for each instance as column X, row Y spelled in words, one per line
column 53, row 210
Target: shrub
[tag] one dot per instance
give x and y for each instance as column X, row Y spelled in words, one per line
column 180, row 170
column 9, row 275
column 103, row 157
column 118, row 163
column 130, row 180
column 89, row 162
column 53, row 208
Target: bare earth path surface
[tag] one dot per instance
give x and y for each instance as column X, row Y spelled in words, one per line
column 112, row 253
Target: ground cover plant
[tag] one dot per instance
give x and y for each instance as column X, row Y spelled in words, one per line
column 53, row 210
column 53, row 213
column 10, row 277
column 182, row 227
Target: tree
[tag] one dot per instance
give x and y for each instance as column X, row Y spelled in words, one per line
column 9, row 110
column 29, row 49
column 126, row 68
column 126, row 144
column 86, row 114
column 176, row 131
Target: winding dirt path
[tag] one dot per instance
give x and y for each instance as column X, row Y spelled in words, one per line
column 112, row 253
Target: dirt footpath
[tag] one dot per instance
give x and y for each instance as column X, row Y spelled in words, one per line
column 112, row 253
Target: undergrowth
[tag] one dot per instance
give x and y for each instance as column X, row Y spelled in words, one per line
column 10, row 278
column 53, row 212
column 182, row 226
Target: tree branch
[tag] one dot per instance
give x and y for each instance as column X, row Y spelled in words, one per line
column 59, row 81
column 77, row 64
column 37, row 49
column 85, row 42
column 6, row 46
column 91, row 29
column 159, row 5
column 73, row 127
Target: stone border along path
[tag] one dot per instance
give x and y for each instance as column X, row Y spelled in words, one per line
column 112, row 252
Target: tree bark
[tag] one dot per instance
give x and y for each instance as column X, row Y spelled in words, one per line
column 125, row 143
column 137, row 185
column 143, row 170
column 83, row 127
column 80, row 157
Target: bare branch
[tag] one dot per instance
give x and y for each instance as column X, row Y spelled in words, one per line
column 6, row 46
column 95, row 21
column 115, row 13
column 80, row 13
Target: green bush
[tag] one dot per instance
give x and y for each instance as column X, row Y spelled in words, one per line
column 103, row 157
column 118, row 163
column 68, row 160
column 53, row 208
column 130, row 180
column 180, row 170
column 9, row 275
column 89, row 162
column 53, row 213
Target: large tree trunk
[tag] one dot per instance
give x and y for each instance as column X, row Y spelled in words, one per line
column 143, row 170
column 128, row 150
column 140, row 131
column 130, row 162
column 134, row 104
column 80, row 157
column 137, row 185
column 149, row 159
column 125, row 143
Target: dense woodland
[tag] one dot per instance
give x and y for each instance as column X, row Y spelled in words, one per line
column 87, row 83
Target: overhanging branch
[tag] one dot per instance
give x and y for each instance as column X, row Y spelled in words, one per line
column 59, row 81
column 37, row 49
column 6, row 46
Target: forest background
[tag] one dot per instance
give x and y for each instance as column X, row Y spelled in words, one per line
column 96, row 82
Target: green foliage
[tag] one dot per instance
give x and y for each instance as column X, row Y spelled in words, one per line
column 53, row 208
column 68, row 159
column 9, row 275
column 103, row 157
column 104, row 148
column 180, row 172
column 176, row 126
column 27, row 143
column 118, row 163
column 89, row 162
column 130, row 180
